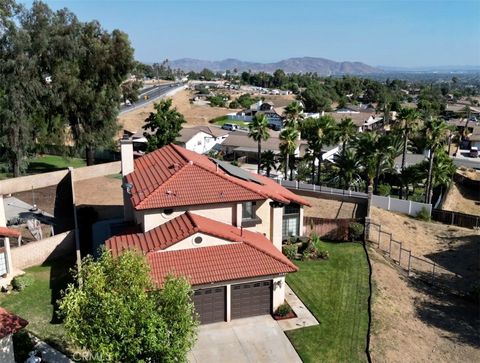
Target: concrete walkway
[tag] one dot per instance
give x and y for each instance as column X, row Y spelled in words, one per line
column 304, row 316
column 250, row 340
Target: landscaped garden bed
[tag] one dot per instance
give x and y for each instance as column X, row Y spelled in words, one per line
column 284, row 312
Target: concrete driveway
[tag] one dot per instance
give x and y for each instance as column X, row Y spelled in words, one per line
column 257, row 339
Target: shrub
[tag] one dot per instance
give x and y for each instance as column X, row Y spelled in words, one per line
column 283, row 310
column 423, row 215
column 21, row 282
column 290, row 250
column 324, row 255
column 384, row 189
column 355, row 230
column 310, row 253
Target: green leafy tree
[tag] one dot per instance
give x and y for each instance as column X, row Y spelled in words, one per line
column 267, row 161
column 346, row 131
column 131, row 90
column 349, row 165
column 119, row 315
column 293, row 113
column 258, row 131
column 164, row 125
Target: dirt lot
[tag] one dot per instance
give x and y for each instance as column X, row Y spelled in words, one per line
column 103, row 193
column 325, row 208
column 416, row 323
column 194, row 114
column 462, row 199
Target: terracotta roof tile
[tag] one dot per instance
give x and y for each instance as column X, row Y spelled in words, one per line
column 9, row 232
column 207, row 265
column 251, row 254
column 10, row 323
column 173, row 176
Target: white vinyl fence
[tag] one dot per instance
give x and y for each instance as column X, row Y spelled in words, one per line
column 399, row 205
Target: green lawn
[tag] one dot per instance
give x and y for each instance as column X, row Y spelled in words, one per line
column 46, row 163
column 220, row 121
column 36, row 303
column 336, row 292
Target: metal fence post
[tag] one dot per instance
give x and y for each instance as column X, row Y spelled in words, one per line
column 409, row 261
column 400, row 256
column 453, row 217
column 390, row 247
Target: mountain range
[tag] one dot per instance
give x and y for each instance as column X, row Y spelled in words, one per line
column 322, row 66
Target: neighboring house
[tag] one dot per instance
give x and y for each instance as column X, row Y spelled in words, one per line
column 9, row 324
column 273, row 114
column 240, row 144
column 201, row 139
column 475, row 137
column 216, row 224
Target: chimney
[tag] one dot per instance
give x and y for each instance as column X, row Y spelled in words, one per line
column 126, row 151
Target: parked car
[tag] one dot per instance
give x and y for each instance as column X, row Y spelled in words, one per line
column 229, row 127
column 474, row 152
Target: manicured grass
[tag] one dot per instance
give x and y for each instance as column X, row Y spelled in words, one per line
column 336, row 292
column 220, row 121
column 37, row 302
column 46, row 163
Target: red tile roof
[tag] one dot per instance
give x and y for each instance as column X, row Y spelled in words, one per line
column 9, row 232
column 250, row 254
column 205, row 265
column 10, row 323
column 173, row 176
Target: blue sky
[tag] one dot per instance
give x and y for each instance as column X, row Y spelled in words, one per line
column 382, row 32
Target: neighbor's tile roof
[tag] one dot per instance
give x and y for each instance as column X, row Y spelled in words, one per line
column 173, row 176
column 250, row 254
column 10, row 323
column 9, row 232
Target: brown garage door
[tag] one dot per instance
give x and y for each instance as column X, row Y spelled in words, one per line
column 210, row 304
column 251, row 299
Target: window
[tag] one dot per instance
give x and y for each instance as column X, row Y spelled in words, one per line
column 248, row 211
column 291, row 221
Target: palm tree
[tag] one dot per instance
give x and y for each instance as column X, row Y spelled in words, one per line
column 346, row 131
column 409, row 117
column 348, row 164
column 367, row 154
column 436, row 131
column 318, row 132
column 293, row 112
column 258, row 131
column 267, row 161
column 288, row 145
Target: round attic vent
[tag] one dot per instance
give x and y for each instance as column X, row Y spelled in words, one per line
column 197, row 240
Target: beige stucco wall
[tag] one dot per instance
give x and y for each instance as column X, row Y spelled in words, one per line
column 263, row 212
column 276, row 227
column 155, row 217
column 6, row 350
column 278, row 292
column 208, row 241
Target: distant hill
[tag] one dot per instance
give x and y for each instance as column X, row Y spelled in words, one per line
column 323, row 67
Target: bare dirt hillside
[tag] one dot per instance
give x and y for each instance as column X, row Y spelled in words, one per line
column 325, row 208
column 462, row 199
column 413, row 322
column 454, row 248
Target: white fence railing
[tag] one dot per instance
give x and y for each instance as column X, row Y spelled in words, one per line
column 320, row 189
column 391, row 204
column 399, row 205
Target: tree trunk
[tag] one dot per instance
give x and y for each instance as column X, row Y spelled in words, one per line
column 313, row 169
column 290, row 165
column 377, row 177
column 285, row 176
column 428, row 188
column 319, row 168
column 90, row 155
column 259, row 155
column 16, row 166
column 404, row 156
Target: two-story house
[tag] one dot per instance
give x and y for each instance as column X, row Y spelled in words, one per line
column 214, row 223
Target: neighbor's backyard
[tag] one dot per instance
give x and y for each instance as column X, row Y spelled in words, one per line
column 37, row 302
column 336, row 292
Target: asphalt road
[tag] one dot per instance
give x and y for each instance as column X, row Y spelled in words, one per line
column 152, row 92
